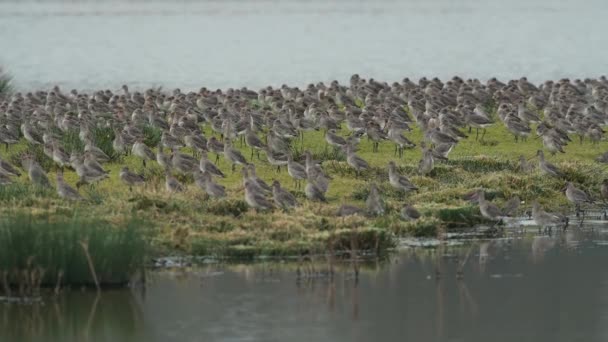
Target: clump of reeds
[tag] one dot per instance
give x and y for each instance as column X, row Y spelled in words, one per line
column 5, row 84
column 65, row 251
column 151, row 135
column 71, row 142
column 35, row 151
column 103, row 138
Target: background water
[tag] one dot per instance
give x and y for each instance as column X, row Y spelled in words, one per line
column 188, row 44
column 537, row 288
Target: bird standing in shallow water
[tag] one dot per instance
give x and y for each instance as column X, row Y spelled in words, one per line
column 577, row 197
column 172, row 185
column 491, row 211
column 544, row 219
column 488, row 209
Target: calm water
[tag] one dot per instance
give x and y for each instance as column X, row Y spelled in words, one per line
column 90, row 45
column 536, row 288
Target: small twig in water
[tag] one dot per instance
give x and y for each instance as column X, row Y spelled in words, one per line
column 58, row 285
column 85, row 247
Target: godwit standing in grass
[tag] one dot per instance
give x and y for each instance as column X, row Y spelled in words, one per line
column 408, row 213
column 478, row 121
column 196, row 142
column 130, row 178
column 255, row 198
column 356, row 162
column 349, row 210
column 8, row 170
column 524, row 166
column 313, row 192
column 204, row 181
column 427, row 163
column 296, row 170
column 100, row 155
column 142, row 151
column 169, row 141
column 183, row 163
column 334, row 139
column 215, row 146
column 172, row 185
column 374, row 203
column 254, row 142
column 233, row 155
column 206, row 165
column 254, row 177
column 30, row 134
column 65, row 191
column 283, row 198
column 86, row 175
column 398, row 181
column 35, row 172
column 547, row 167
column 277, row 159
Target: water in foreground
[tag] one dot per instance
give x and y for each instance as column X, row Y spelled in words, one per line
column 530, row 288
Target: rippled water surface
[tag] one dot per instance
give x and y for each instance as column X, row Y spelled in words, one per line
column 255, row 43
column 532, row 288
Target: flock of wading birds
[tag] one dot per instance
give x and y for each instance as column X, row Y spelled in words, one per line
column 271, row 120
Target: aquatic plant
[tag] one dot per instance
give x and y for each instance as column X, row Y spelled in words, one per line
column 52, row 250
